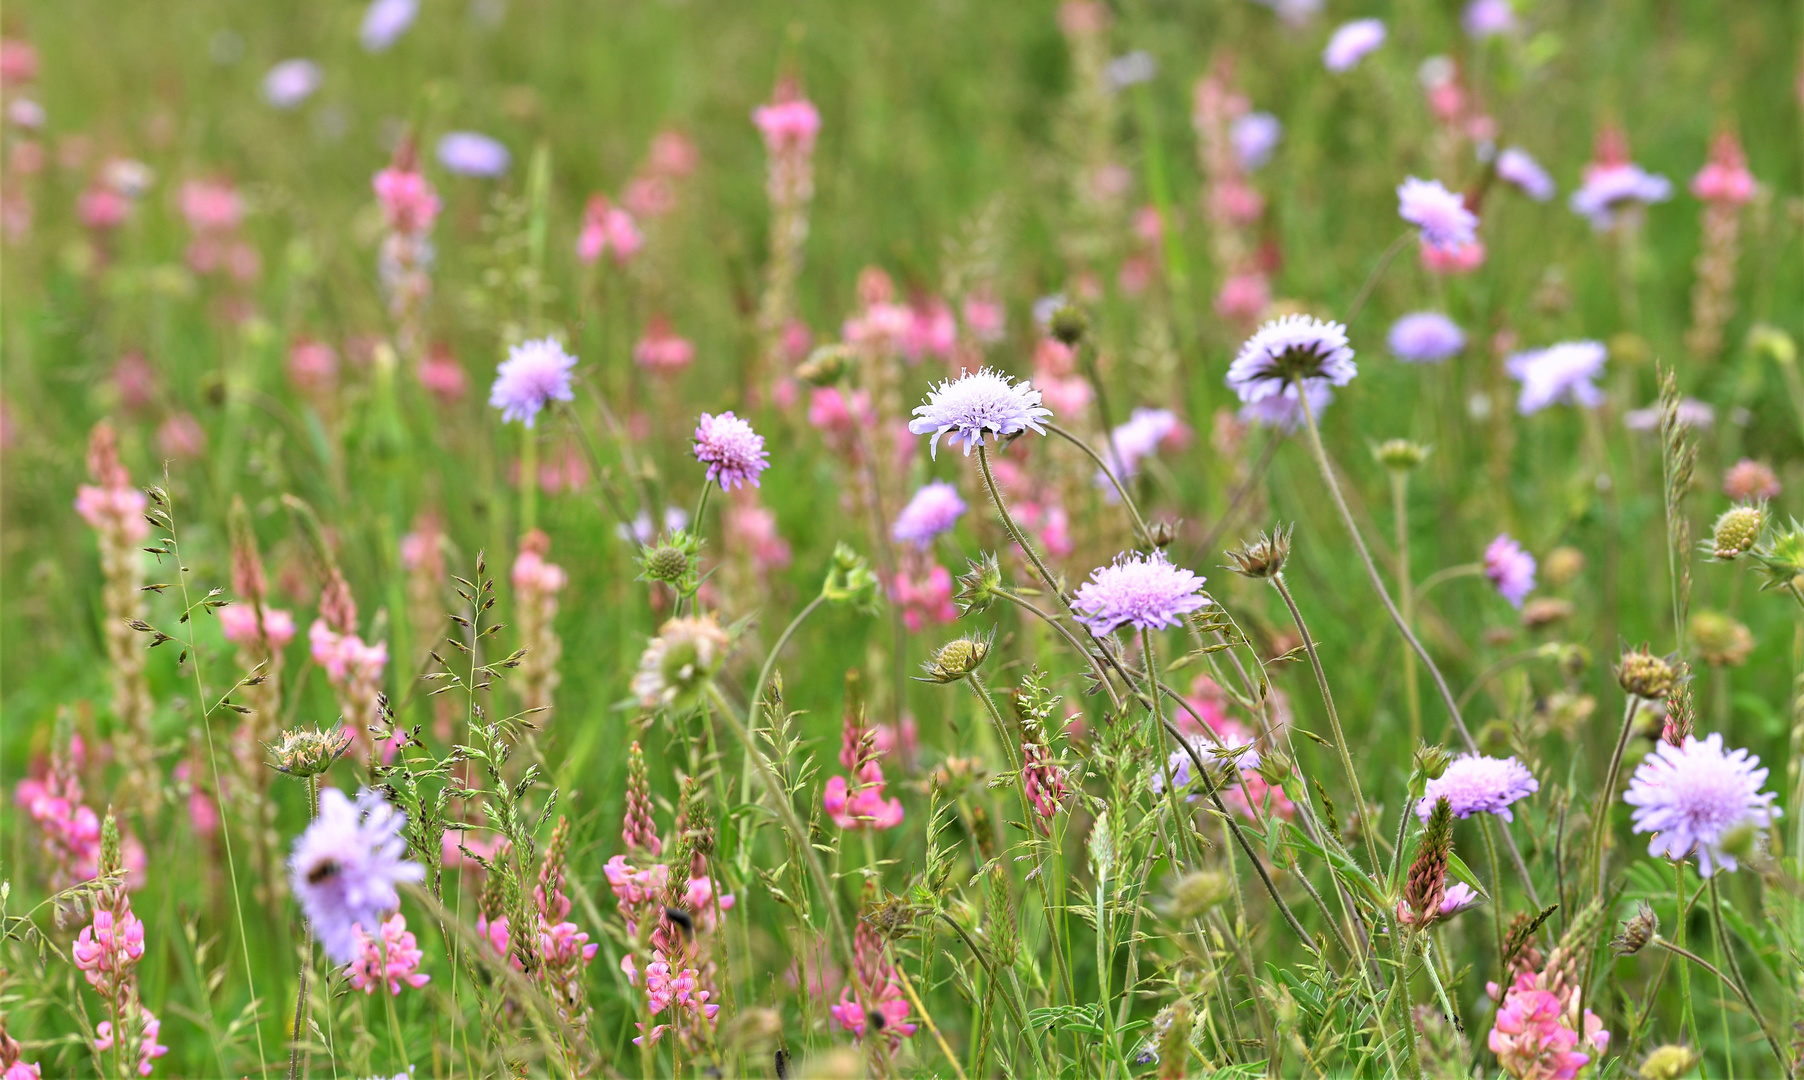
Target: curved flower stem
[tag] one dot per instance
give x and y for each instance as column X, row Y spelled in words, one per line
column 1095, row 665
column 1441, row 577
column 300, row 998
column 1606, row 796
column 1014, row 530
column 1214, row 535
column 1753, row 1009
column 606, row 486
column 1126, row 500
column 1377, row 275
column 1739, row 981
column 1434, row 671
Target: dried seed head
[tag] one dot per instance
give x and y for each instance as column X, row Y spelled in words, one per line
column 303, row 752
column 1645, row 675
column 1163, row 533
column 956, row 659
column 1069, row 325
column 1737, row 530
column 1668, row 1062
column 1263, row 558
column 1636, row 932
column 1400, row 455
column 666, row 563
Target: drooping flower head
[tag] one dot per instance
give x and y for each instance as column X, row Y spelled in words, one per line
column 935, row 508
column 1510, row 568
column 1426, row 337
column 467, row 153
column 976, row 404
column 1476, row 784
column 1138, row 590
column 535, row 374
column 345, row 867
column 1293, row 347
column 1351, row 42
column 732, row 451
column 1696, row 799
column 1562, row 372
column 1515, row 166
column 1442, row 215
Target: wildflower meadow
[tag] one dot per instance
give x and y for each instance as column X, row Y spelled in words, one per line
column 1073, row 538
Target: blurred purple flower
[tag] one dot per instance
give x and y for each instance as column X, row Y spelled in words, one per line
column 732, row 451
column 384, row 21
column 1139, row 437
column 1143, row 591
column 1562, row 372
column 468, row 154
column 291, row 82
column 535, row 374
column 1479, row 785
column 1510, row 568
column 1488, row 18
column 1442, row 216
column 1351, row 42
column 1294, row 347
column 1692, row 797
column 977, row 403
column 1282, row 411
column 1426, row 337
column 1255, row 137
column 1692, row 413
column 935, row 508
column 345, row 867
column 1516, row 166
column 1607, row 188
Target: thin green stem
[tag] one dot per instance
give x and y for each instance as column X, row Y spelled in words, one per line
column 1412, row 694
column 1606, row 796
column 1496, row 897
column 529, row 478
column 1014, row 530
column 300, row 998
column 1443, row 576
column 1740, row 981
column 1102, row 677
column 1127, row 500
column 1686, row 954
column 1377, row 275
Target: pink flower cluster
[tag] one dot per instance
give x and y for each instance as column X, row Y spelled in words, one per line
column 114, row 509
column 789, row 125
column 214, row 210
column 347, row 660
column 924, row 595
column 664, row 989
column 1725, row 178
column 876, row 998
column 859, row 803
column 109, row 948
column 1530, row 1036
column 148, row 1048
column 71, row 830
column 409, row 203
column 1044, row 783
column 610, row 229
column 394, row 958
column 661, row 349
column 239, row 622
column 752, row 528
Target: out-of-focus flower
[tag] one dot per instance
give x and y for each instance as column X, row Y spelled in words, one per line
column 1510, row 568
column 1284, row 411
column 1426, row 337
column 312, row 366
column 1750, row 479
column 732, row 451
column 394, row 958
column 1612, row 182
column 291, row 82
column 535, row 374
column 1721, row 641
column 1488, row 18
column 1697, row 798
column 467, row 153
column 239, row 624
column 180, row 437
column 1244, row 297
column 1142, row 591
column 924, row 597
column 608, row 228
column 1255, row 136
column 18, row 62
column 101, row 208
column 1725, row 178
column 1442, row 215
column 662, row 349
column 441, row 374
column 1295, row 347
column 788, row 126
column 211, row 206
column 1475, row 784
column 976, row 404
column 384, row 21
column 345, row 867
column 1145, row 431
column 984, row 315
column 1351, row 43
column 1562, row 372
column 679, row 662
column 934, row 509
column 1529, row 1037
column 1515, row 166
column 875, row 1000
column 1462, row 259
column 1691, row 413
column 409, row 202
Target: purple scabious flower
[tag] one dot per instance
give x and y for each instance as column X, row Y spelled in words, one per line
column 1510, row 568
column 291, row 82
column 1284, row 412
column 1351, row 42
column 1562, row 372
column 1488, row 18
column 384, row 21
column 976, row 403
column 1142, row 591
column 1475, row 784
column 1442, row 216
column 1296, row 346
column 1608, row 188
column 1136, row 439
column 1255, row 137
column 935, row 508
column 535, row 374
column 1516, row 166
column 1426, row 337
column 345, row 867
column 468, row 154
column 1692, row 797
column 732, row 451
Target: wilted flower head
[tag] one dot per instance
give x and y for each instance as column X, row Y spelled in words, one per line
column 678, row 663
column 1515, row 166
column 1510, row 568
column 977, row 404
column 1695, row 798
column 1351, row 42
column 1263, row 557
column 384, row 21
column 1442, row 216
column 467, row 153
column 1750, row 479
column 732, row 451
column 291, row 82
column 1143, row 591
column 1562, row 372
column 1426, row 337
column 535, row 374
column 345, row 867
column 934, row 509
column 1293, row 347
column 1475, row 784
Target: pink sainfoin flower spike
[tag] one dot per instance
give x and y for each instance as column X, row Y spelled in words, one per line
column 1696, row 798
column 923, row 593
column 409, row 202
column 876, row 997
column 345, row 868
column 732, row 451
column 148, row 1047
column 978, row 404
column 1750, row 479
column 1725, row 178
column 934, row 509
column 393, row 959
column 1142, row 591
column 860, row 803
column 661, row 349
column 789, row 126
column 1529, row 1038
column 1044, row 783
column 608, row 228
column 1510, row 568
column 1442, row 215
column 1479, row 785
column 535, row 374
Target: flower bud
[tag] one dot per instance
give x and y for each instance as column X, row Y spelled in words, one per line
column 1069, row 325
column 1262, row 558
column 1721, row 641
column 1400, row 455
column 1163, row 533
column 1645, row 675
column 1772, row 343
column 305, row 753
column 956, row 659
column 1636, row 932
column 1668, row 1062
column 1431, row 761
column 1737, row 530
column 980, row 586
column 666, row 563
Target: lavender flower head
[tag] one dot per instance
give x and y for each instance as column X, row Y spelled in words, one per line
column 468, row 154
column 1693, row 797
column 1562, row 372
column 291, row 82
column 1516, row 166
column 732, row 451
column 976, row 403
column 1510, row 568
column 384, row 21
column 1479, row 785
column 1442, row 216
column 1351, row 42
column 345, row 867
column 935, row 508
column 1608, row 188
column 1136, row 439
column 1488, row 18
column 1255, row 137
column 1296, row 346
column 1426, row 337
column 535, row 374
column 1143, row 591
column 1283, row 412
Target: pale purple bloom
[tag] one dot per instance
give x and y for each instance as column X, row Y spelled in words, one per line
column 1562, row 372
column 1045, row 307
column 1692, row 413
column 1458, row 897
column 1143, row 591
column 732, row 451
column 384, row 21
column 1351, row 42
column 977, row 403
column 1234, row 748
column 1136, row 439
column 1282, row 411
column 1442, row 216
column 1516, row 166
column 644, row 531
column 1479, row 785
column 1607, row 188
column 26, row 113
column 935, row 508
column 291, row 82
column 1130, row 70
column 468, row 154
column 535, row 374
column 1692, row 797
column 345, row 867
column 1294, row 12
column 1255, row 137
column 1283, row 349
column 1510, row 568
column 1426, row 337
column 1488, row 18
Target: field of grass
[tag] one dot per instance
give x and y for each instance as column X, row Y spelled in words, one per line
column 206, row 295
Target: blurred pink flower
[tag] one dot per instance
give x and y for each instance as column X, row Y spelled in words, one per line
column 1750, row 479
column 608, row 228
column 101, row 208
column 1244, row 297
column 135, row 380
column 312, row 366
column 441, row 374
column 985, row 316
column 1460, row 259
column 661, row 349
column 924, row 598
column 181, row 437
column 211, row 206
column 1725, row 178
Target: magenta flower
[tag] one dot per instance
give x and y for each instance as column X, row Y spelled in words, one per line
column 875, row 998
column 1562, row 372
column 409, row 203
column 345, row 868
column 239, row 623
column 1530, row 1037
column 1143, row 591
column 1426, row 337
column 1693, row 797
column 109, row 948
column 1515, row 166
column 977, row 404
column 788, row 126
column 393, row 959
column 1351, row 43
column 535, row 374
column 662, row 349
column 1725, row 179
column 1479, row 785
column 1293, row 347
column 934, row 509
column 1442, row 215
column 148, row 1048
column 607, row 227
column 732, row 451
column 1510, row 568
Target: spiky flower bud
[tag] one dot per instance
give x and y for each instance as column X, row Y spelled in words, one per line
column 1426, row 885
column 1263, row 558
column 1645, row 675
column 112, row 864
column 1400, row 455
column 666, row 563
column 980, row 586
column 1781, row 558
column 956, row 659
column 1162, row 533
column 1431, row 761
column 303, row 753
column 1069, row 325
column 1737, row 530
column 1668, row 1062
column 850, row 580
column 1636, row 932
